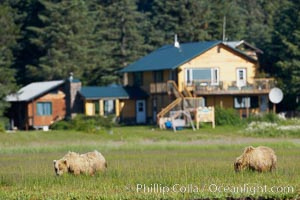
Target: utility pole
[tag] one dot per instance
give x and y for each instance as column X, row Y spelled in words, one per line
column 224, row 28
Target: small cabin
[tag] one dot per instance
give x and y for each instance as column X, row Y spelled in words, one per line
column 37, row 105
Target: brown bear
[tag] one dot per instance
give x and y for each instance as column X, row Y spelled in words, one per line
column 259, row 159
column 74, row 163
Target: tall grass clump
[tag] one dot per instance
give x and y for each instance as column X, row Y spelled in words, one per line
column 227, row 117
column 267, row 117
column 4, row 124
column 89, row 124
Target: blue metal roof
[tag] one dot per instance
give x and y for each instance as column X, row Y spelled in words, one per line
column 112, row 91
column 170, row 57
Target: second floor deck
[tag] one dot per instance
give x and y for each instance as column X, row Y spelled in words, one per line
column 199, row 88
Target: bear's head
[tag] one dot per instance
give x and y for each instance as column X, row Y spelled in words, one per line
column 60, row 166
column 241, row 162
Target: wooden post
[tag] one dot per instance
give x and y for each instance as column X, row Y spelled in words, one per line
column 101, row 107
column 274, row 108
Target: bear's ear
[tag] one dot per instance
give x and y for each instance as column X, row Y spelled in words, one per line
column 248, row 149
column 54, row 162
column 66, row 162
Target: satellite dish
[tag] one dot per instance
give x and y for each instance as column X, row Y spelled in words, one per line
column 276, row 95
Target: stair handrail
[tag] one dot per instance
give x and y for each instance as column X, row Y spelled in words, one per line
column 168, row 108
column 174, row 85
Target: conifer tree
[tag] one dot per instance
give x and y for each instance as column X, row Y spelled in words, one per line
column 125, row 31
column 65, row 38
column 9, row 32
column 286, row 50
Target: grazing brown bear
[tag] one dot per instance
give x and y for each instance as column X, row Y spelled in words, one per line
column 259, row 159
column 88, row 163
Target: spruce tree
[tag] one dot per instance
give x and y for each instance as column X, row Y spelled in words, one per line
column 125, row 31
column 9, row 33
column 188, row 19
column 65, row 38
column 286, row 50
column 230, row 13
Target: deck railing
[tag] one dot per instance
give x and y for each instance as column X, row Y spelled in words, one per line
column 259, row 85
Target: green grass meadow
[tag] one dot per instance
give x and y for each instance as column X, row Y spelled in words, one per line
column 146, row 163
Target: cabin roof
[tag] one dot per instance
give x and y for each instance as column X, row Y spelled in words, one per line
column 33, row 90
column 170, row 57
column 112, row 92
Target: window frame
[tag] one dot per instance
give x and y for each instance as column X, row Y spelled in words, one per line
column 107, row 109
column 214, row 78
column 253, row 102
column 46, row 111
column 158, row 76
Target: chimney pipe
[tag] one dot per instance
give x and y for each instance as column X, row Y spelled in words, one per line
column 176, row 43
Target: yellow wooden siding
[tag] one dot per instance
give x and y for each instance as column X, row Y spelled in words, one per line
column 121, row 107
column 227, row 102
column 219, row 57
column 147, row 79
column 101, row 107
column 89, row 108
column 222, row 101
column 128, row 110
column 129, row 79
column 166, row 75
column 117, row 107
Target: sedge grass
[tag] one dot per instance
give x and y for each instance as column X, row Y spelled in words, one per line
column 193, row 168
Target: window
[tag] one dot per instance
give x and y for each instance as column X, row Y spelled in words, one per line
column 44, row 108
column 188, row 79
column 96, row 107
column 138, row 78
column 241, row 74
column 109, row 107
column 140, row 107
column 173, row 75
column 210, row 75
column 246, row 102
column 158, row 76
column 215, row 76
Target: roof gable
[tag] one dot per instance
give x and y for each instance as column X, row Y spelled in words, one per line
column 33, row 90
column 239, row 53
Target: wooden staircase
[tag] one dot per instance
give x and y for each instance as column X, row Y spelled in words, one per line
column 173, row 89
column 184, row 100
column 168, row 108
column 186, row 92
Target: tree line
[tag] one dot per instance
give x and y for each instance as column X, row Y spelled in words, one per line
column 47, row 39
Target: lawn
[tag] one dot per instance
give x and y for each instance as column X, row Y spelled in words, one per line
column 146, row 163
